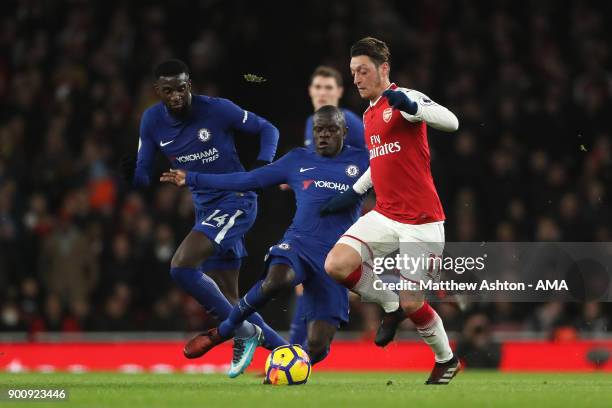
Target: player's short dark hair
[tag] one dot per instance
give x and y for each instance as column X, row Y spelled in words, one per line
column 171, row 67
column 327, row 72
column 374, row 48
column 331, row 110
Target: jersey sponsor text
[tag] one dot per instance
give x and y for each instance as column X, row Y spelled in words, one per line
column 206, row 156
column 384, row 149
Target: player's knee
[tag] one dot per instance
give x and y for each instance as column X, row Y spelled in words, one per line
column 318, row 349
column 177, row 261
column 195, row 249
column 411, row 305
column 339, row 264
column 182, row 259
column 278, row 280
column 189, row 258
column 333, row 266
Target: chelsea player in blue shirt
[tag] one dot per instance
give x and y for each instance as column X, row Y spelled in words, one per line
column 196, row 133
column 325, row 88
column 314, row 176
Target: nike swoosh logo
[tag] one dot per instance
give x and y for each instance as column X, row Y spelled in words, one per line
column 303, row 169
column 162, row 143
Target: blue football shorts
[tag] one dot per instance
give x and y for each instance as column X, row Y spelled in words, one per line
column 324, row 299
column 225, row 223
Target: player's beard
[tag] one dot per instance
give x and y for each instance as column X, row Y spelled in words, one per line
column 376, row 90
column 183, row 112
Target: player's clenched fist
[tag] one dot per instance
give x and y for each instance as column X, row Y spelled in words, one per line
column 401, row 101
column 173, row 176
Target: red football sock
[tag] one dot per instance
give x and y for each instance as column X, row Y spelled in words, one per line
column 431, row 329
column 423, row 317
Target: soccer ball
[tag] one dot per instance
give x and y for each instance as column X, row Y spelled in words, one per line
column 287, row 365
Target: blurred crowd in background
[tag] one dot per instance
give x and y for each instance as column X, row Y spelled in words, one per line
column 80, row 250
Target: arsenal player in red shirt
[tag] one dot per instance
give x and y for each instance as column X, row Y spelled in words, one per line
column 408, row 216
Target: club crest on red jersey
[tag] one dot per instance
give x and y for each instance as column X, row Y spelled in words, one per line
column 387, row 114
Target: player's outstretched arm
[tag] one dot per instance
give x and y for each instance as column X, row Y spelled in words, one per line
column 174, row 176
column 265, row 176
column 417, row 107
column 349, row 198
column 340, row 202
column 243, row 181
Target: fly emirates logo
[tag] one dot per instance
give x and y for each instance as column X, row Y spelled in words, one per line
column 383, row 149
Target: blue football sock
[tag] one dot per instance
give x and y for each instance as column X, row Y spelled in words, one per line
column 207, row 293
column 298, row 331
column 254, row 299
column 272, row 339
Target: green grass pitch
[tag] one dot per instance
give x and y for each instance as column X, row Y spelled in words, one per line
column 371, row 390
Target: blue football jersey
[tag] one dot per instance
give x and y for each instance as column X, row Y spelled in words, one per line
column 204, row 142
column 314, row 180
column 354, row 136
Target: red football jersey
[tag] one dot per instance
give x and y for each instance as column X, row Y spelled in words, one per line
column 400, row 166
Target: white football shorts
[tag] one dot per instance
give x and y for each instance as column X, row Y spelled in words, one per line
column 413, row 247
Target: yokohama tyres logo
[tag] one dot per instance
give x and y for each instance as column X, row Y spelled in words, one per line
column 330, row 185
column 206, row 156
